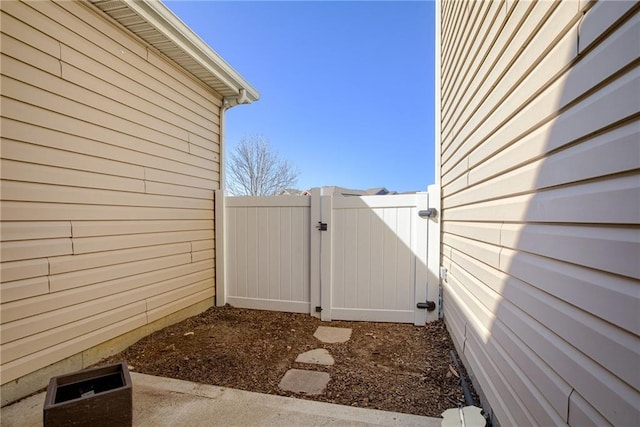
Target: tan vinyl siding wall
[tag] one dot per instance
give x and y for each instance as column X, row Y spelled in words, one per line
column 110, row 159
column 540, row 160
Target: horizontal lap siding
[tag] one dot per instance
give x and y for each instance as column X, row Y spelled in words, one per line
column 541, row 206
column 110, row 159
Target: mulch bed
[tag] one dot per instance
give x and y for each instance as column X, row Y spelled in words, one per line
column 387, row 366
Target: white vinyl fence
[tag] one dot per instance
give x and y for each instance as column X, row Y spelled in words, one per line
column 268, row 252
column 340, row 258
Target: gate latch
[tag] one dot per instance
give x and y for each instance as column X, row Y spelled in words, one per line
column 322, row 226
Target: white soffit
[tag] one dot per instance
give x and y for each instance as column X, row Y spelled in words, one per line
column 153, row 22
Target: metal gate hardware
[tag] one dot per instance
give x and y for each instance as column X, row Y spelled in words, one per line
column 429, row 305
column 428, row 213
column 322, row 226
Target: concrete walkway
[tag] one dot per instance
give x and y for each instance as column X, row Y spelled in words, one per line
column 167, row 402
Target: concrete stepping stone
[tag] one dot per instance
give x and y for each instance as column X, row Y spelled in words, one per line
column 319, row 356
column 307, row 382
column 331, row 335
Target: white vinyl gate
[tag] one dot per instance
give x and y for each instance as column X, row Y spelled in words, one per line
column 339, row 258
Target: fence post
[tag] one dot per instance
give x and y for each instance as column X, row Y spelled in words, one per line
column 326, row 256
column 433, row 253
column 314, row 253
column 421, row 250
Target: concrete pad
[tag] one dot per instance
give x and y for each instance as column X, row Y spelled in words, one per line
column 319, row 356
column 307, row 382
column 160, row 402
column 331, row 335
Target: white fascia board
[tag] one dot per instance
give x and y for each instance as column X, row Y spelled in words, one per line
column 169, row 25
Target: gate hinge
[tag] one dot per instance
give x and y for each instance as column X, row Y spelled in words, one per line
column 429, row 305
column 322, row 226
column 318, row 309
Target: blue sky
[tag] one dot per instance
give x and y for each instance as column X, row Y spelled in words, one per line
column 346, row 86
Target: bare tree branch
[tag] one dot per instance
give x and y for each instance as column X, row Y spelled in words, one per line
column 254, row 169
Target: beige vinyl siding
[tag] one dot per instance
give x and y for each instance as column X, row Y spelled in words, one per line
column 110, row 160
column 540, row 161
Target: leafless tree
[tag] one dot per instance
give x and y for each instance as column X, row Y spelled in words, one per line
column 255, row 169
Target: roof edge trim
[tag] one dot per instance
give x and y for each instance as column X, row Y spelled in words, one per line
column 166, row 22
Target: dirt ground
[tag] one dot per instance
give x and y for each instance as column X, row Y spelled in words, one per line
column 388, row 366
